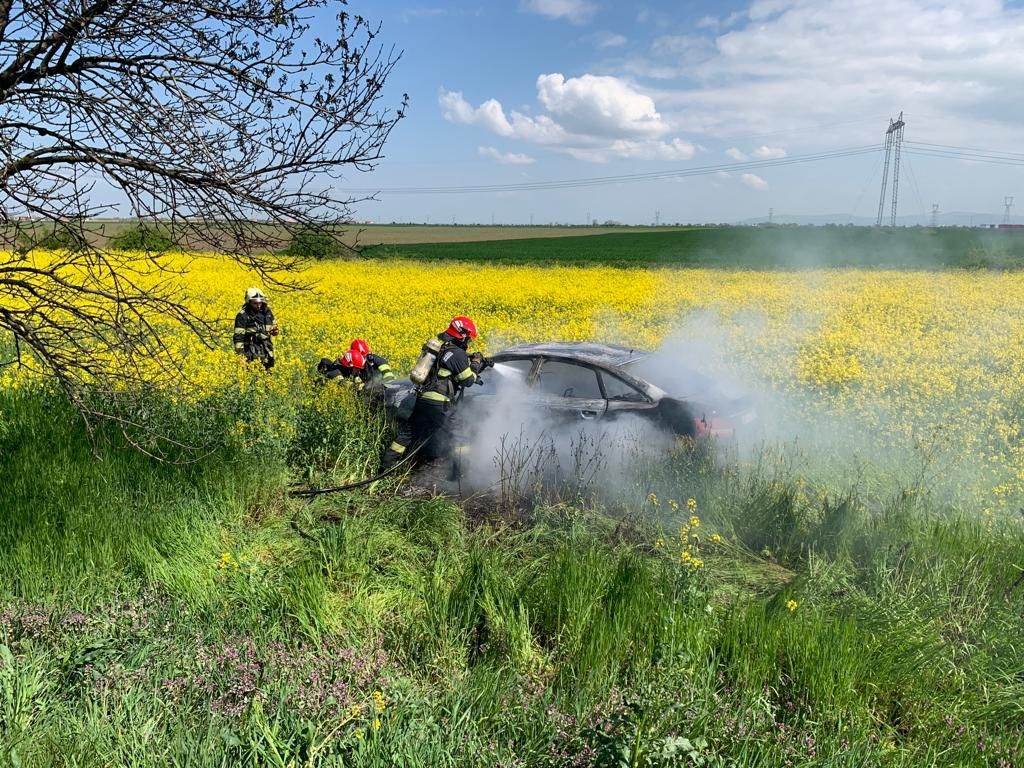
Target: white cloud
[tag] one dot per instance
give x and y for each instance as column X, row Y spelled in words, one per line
column 610, row 40
column 490, row 114
column 593, row 118
column 786, row 64
column 414, row 14
column 600, row 105
column 736, row 154
column 754, row 181
column 574, row 11
column 765, row 152
column 505, row 158
column 624, row 149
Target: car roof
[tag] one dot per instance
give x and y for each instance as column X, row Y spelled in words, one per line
column 601, row 355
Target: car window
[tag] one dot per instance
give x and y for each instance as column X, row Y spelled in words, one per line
column 617, row 389
column 568, row 380
column 517, row 369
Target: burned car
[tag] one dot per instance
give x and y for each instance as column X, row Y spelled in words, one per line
column 589, row 382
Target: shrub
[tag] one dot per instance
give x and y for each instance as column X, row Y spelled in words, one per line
column 315, row 243
column 142, row 238
column 56, row 239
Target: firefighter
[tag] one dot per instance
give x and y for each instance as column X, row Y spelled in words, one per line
column 448, row 369
column 359, row 367
column 255, row 328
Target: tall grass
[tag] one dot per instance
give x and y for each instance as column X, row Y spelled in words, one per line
column 157, row 613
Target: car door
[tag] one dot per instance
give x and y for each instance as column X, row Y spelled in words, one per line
column 569, row 389
column 623, row 397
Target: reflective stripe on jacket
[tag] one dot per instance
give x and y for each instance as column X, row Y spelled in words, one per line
column 452, row 372
column 252, row 332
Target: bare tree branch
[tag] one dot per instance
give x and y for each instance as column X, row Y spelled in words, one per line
column 233, row 123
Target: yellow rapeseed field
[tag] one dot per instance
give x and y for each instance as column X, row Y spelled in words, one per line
column 929, row 357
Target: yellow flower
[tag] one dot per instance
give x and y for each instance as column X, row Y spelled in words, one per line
column 652, row 498
column 694, row 521
column 715, row 538
column 376, row 723
column 659, row 543
column 791, row 605
column 904, row 354
column 227, row 561
column 379, row 702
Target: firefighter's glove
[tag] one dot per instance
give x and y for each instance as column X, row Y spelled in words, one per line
column 479, row 363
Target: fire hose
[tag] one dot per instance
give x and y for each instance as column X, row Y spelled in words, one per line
column 311, row 493
column 308, row 493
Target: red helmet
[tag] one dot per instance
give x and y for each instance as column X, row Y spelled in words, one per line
column 461, row 327
column 360, row 346
column 354, row 359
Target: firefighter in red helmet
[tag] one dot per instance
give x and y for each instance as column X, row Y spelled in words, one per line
column 360, row 368
column 443, row 372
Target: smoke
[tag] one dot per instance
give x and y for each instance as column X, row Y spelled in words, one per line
column 522, row 444
column 872, row 444
column 746, row 367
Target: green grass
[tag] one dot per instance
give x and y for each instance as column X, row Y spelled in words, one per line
column 751, row 247
column 170, row 614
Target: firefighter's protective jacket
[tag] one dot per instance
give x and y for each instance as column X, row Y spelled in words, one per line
column 377, row 370
column 372, row 375
column 453, row 370
column 252, row 336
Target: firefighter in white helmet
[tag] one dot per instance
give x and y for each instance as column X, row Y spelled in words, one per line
column 255, row 328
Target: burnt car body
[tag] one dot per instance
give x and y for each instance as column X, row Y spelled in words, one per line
column 588, row 381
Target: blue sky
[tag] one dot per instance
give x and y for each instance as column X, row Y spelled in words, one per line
column 528, row 90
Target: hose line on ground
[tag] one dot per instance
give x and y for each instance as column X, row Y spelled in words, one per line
column 306, row 493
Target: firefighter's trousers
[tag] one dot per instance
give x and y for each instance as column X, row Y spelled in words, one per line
column 428, row 427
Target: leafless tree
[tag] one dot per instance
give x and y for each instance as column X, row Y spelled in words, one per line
column 230, row 122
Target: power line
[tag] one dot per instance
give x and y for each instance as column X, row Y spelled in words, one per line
column 867, row 184
column 969, row 149
column 968, row 156
column 917, row 189
column 623, row 178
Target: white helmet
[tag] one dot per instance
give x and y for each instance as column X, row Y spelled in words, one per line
column 254, row 294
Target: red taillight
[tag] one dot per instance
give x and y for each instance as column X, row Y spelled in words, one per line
column 721, row 428
column 715, row 427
